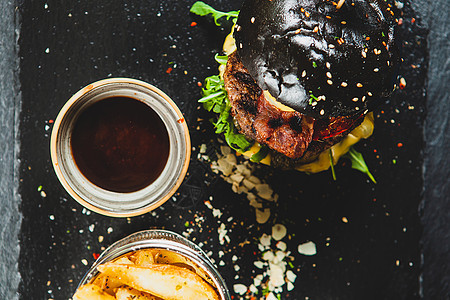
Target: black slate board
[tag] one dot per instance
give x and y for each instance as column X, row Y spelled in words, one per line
column 67, row 45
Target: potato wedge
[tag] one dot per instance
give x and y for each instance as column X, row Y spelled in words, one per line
column 127, row 293
column 107, row 283
column 166, row 281
column 123, row 261
column 144, row 258
column 91, row 292
column 169, row 257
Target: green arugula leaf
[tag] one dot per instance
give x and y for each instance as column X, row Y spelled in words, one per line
column 215, row 99
column 330, row 153
column 202, row 9
column 221, row 59
column 261, row 154
column 211, row 96
column 312, row 98
column 358, row 162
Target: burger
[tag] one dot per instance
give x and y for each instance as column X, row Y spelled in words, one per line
column 303, row 76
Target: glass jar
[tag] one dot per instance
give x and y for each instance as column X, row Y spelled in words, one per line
column 160, row 239
column 107, row 202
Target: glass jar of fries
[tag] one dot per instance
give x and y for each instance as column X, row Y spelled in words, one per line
column 153, row 264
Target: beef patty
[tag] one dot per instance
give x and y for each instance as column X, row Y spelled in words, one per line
column 298, row 137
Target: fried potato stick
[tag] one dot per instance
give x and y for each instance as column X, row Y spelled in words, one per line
column 107, row 283
column 170, row 257
column 166, row 281
column 91, row 292
column 130, row 293
column 144, row 258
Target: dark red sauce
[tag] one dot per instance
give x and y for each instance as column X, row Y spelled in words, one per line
column 120, row 144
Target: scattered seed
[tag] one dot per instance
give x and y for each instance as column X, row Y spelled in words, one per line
column 278, row 231
column 308, row 248
column 239, row 289
column 402, row 83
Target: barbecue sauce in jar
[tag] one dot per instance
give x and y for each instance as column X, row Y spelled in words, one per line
column 120, row 144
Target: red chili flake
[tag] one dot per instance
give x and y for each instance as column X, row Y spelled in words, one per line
column 169, row 69
column 50, row 121
column 400, row 21
column 199, row 83
column 413, row 20
column 375, row 150
column 95, row 255
column 400, row 145
column 193, row 24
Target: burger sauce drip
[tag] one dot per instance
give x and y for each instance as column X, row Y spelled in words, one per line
column 120, row 144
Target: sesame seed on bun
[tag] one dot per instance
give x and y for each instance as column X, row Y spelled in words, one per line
column 321, row 58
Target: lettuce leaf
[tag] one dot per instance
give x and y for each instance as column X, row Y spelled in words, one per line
column 330, row 155
column 215, row 99
column 202, row 9
column 261, row 154
column 358, row 162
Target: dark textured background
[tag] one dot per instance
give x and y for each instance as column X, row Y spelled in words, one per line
column 435, row 209
column 67, row 45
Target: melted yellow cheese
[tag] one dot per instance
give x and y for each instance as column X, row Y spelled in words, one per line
column 255, row 149
column 322, row 163
column 229, row 45
column 275, row 103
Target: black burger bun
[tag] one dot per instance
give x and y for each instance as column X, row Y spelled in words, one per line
column 321, row 58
